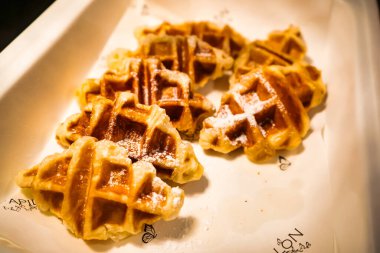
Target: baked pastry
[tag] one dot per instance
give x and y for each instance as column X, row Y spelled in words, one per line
column 153, row 84
column 289, row 42
column 260, row 113
column 187, row 54
column 306, row 82
column 285, row 49
column 225, row 38
column 280, row 48
column 144, row 131
column 98, row 192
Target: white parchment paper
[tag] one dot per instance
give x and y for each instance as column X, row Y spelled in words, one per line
column 237, row 206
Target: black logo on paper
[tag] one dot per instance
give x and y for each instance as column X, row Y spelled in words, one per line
column 291, row 244
column 150, row 233
column 145, row 10
column 283, row 163
column 20, row 204
column 223, row 16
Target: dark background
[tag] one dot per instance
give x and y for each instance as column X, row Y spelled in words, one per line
column 16, row 15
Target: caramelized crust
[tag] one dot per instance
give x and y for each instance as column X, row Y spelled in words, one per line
column 280, row 48
column 258, row 54
column 187, row 54
column 224, row 38
column 97, row 191
column 144, row 131
column 286, row 50
column 306, row 81
column 260, row 113
column 153, row 84
column 288, row 42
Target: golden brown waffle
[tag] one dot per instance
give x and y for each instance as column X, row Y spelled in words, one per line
column 289, row 42
column 187, row 54
column 97, row 191
column 144, row 131
column 285, row 49
column 260, row 113
column 225, row 38
column 281, row 48
column 306, row 81
column 257, row 54
column 153, row 84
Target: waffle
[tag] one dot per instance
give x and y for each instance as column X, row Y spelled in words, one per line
column 282, row 48
column 260, row 113
column 97, row 191
column 257, row 54
column 187, row 54
column 289, row 42
column 225, row 38
column 306, row 82
column 144, row 131
column 153, row 84
column 285, row 49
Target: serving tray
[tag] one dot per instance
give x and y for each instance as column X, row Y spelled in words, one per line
column 320, row 197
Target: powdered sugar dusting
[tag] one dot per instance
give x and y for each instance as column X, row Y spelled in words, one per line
column 156, row 198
